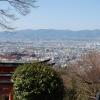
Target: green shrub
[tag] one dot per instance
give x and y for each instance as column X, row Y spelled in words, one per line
column 37, row 82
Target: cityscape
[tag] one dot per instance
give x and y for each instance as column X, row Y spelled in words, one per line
column 59, row 52
column 49, row 49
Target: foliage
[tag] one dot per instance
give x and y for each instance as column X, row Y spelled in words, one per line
column 72, row 91
column 37, row 82
column 82, row 78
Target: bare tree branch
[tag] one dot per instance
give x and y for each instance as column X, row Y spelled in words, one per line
column 21, row 6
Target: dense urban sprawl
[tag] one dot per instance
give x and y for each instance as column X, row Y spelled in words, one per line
column 59, row 52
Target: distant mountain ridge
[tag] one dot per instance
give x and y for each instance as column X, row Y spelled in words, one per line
column 49, row 34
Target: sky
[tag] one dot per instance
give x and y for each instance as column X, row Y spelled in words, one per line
column 61, row 14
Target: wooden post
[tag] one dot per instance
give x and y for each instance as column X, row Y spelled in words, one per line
column 11, row 96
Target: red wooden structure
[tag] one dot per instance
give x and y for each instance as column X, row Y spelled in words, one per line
column 6, row 86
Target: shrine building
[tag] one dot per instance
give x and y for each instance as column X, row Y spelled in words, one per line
column 6, row 86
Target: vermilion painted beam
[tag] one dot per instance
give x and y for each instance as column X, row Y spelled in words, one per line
column 7, row 69
column 5, row 78
column 5, row 91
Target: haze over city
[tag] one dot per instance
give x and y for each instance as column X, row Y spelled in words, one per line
column 53, row 24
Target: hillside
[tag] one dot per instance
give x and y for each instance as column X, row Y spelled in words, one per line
column 49, row 34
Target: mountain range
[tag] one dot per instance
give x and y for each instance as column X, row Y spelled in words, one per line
column 49, row 34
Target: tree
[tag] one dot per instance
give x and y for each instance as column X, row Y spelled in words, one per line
column 22, row 6
column 37, row 82
column 82, row 77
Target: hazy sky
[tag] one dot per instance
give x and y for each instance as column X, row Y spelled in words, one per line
column 62, row 14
